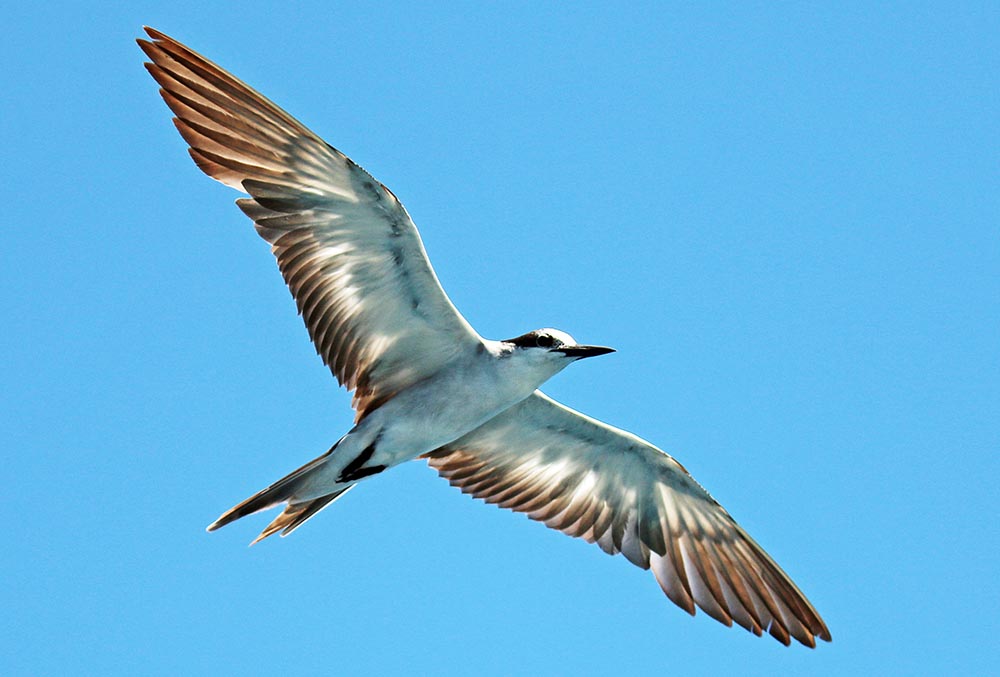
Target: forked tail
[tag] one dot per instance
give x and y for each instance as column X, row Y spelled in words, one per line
column 284, row 490
column 295, row 514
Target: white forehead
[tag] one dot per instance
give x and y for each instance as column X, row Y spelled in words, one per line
column 560, row 336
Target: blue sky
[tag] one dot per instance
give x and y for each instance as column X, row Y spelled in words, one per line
column 785, row 218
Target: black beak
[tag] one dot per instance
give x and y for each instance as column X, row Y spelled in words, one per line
column 580, row 352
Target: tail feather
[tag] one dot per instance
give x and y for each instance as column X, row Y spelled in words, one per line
column 281, row 491
column 296, row 514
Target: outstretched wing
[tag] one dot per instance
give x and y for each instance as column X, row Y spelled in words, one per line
column 609, row 487
column 346, row 247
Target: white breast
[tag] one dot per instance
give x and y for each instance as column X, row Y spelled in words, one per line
column 458, row 399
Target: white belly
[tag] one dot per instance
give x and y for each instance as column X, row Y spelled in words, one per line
column 430, row 415
column 425, row 417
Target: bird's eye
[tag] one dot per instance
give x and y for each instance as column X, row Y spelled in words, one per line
column 544, row 341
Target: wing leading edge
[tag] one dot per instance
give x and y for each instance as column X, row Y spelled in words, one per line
column 346, row 247
column 609, row 487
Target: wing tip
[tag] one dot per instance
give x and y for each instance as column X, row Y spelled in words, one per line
column 155, row 36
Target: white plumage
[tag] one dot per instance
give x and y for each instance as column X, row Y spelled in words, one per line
column 426, row 385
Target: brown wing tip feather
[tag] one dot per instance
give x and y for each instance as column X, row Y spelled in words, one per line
column 158, row 36
column 733, row 582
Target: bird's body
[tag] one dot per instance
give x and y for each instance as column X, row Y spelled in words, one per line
column 426, row 385
column 466, row 392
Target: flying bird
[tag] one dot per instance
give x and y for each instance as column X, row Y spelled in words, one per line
column 427, row 386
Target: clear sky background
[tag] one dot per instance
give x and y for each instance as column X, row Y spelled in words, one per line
column 786, row 219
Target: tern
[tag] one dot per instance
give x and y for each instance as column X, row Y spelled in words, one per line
column 427, row 386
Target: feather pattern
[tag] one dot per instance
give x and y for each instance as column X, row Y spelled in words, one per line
column 346, row 247
column 609, row 487
column 356, row 267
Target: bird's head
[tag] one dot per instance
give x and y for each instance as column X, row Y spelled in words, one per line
column 552, row 347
